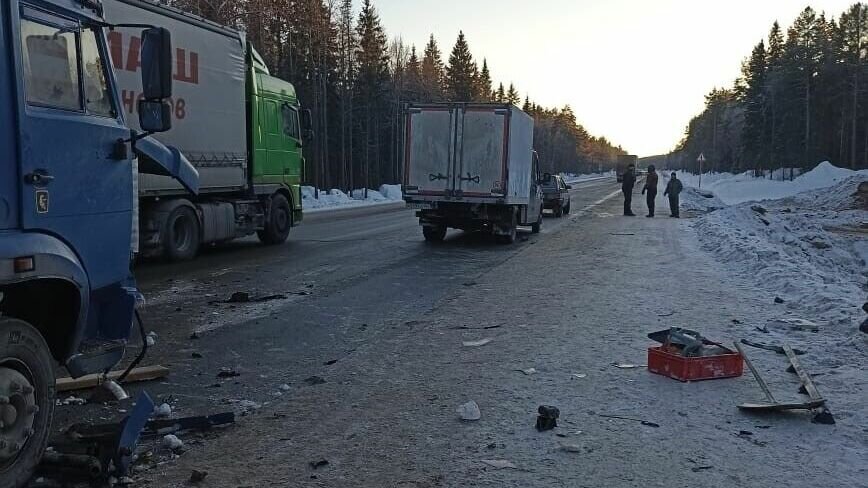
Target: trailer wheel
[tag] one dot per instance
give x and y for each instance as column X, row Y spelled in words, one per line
column 279, row 222
column 181, row 238
column 26, row 400
column 434, row 234
column 537, row 226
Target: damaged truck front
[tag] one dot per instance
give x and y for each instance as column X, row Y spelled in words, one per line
column 472, row 167
column 67, row 206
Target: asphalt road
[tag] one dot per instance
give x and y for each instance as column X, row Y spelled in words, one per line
column 360, row 356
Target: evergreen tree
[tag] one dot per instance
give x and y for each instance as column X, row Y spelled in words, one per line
column 483, row 89
column 461, row 73
column 500, row 94
column 372, row 89
column 432, row 72
column 414, row 76
column 752, row 93
column 852, row 37
column 512, row 95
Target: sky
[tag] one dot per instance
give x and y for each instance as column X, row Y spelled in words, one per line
column 634, row 71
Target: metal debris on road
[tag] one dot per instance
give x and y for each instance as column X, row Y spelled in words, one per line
column 629, row 365
column 643, row 422
column 469, row 411
column 478, row 343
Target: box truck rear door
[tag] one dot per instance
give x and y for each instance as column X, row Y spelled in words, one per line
column 430, row 150
column 482, row 156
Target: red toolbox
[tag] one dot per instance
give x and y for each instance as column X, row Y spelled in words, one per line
column 682, row 368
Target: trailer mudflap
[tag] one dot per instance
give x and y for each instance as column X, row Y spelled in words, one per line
column 157, row 159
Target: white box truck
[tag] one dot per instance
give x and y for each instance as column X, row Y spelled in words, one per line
column 472, row 167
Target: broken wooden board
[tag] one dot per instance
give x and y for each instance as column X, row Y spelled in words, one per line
column 771, row 404
column 147, row 373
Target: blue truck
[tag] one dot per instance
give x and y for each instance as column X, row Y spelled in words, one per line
column 68, row 166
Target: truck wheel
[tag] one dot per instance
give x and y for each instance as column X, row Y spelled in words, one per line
column 434, row 234
column 567, row 208
column 537, row 227
column 279, row 222
column 181, row 238
column 26, row 400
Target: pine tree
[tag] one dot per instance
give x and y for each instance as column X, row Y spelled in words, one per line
column 527, row 106
column 500, row 94
column 512, row 95
column 752, row 93
column 372, row 89
column 483, row 89
column 461, row 72
column 432, row 72
column 852, row 41
column 414, row 76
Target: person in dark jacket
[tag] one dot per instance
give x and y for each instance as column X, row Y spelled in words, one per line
column 629, row 180
column 673, row 190
column 650, row 190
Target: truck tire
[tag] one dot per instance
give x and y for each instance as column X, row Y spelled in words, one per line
column 279, row 222
column 27, row 394
column 567, row 208
column 181, row 238
column 537, row 227
column 434, row 234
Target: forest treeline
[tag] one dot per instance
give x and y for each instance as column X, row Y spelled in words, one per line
column 356, row 80
column 801, row 99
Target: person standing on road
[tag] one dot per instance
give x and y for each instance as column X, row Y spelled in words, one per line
column 628, row 181
column 673, row 190
column 650, row 190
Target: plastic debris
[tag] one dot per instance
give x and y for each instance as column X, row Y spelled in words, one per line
column 478, row 343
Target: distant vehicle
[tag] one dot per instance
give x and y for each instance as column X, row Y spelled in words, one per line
column 242, row 129
column 623, row 162
column 556, row 195
column 471, row 166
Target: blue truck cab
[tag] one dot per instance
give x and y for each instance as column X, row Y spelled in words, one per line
column 68, row 173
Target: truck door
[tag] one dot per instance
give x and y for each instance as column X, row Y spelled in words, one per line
column 8, row 133
column 76, row 185
column 482, row 155
column 430, row 150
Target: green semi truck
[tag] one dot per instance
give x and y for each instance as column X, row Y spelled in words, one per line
column 242, row 129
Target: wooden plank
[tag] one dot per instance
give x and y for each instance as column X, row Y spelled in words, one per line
column 780, row 407
column 146, row 373
column 803, row 375
column 762, row 383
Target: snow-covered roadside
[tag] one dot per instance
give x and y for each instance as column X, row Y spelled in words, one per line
column 734, row 189
column 809, row 249
column 334, row 198
column 808, row 254
column 570, row 178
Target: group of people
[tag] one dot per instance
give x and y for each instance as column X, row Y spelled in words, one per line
column 673, row 191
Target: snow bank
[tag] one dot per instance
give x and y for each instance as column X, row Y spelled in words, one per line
column 336, row 198
column 570, row 178
column 734, row 189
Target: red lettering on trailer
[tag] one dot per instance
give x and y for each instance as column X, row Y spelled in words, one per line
column 134, row 61
column 181, row 73
column 186, row 61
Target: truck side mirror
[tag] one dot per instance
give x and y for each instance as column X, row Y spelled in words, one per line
column 156, row 63
column 155, row 116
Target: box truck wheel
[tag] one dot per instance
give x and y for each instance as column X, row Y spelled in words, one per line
column 181, row 237
column 537, row 226
column 434, row 234
column 26, row 400
column 279, row 221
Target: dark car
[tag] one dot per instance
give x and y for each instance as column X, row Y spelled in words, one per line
column 556, row 195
